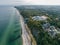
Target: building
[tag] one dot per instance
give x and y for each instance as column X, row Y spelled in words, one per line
column 39, row 18
column 52, row 31
column 46, row 26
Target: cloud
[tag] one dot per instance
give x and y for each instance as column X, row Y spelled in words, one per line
column 29, row 2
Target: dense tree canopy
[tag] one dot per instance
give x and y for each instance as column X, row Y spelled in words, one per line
column 43, row 37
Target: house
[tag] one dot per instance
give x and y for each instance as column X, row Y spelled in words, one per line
column 52, row 31
column 46, row 26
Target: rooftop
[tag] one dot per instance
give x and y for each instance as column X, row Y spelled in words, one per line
column 39, row 17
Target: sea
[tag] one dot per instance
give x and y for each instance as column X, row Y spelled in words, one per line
column 10, row 28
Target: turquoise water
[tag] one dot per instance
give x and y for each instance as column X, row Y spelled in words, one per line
column 10, row 30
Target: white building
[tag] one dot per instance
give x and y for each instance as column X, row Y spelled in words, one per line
column 38, row 18
column 52, row 31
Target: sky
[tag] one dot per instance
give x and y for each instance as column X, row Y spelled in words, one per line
column 29, row 2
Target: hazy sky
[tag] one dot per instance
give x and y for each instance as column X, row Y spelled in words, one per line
column 29, row 2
